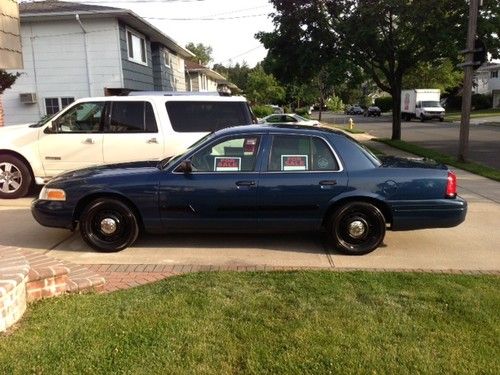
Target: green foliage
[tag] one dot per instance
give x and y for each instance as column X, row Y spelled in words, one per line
column 302, row 111
column 262, row 110
column 384, row 103
column 478, row 101
column 203, row 53
column 7, row 80
column 263, row 88
column 439, row 74
column 335, row 104
column 237, row 74
column 266, row 323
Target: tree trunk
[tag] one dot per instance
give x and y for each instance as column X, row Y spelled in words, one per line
column 396, row 110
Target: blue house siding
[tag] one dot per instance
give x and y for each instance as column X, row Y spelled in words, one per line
column 162, row 74
column 136, row 76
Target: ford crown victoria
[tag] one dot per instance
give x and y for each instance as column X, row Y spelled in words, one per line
column 272, row 178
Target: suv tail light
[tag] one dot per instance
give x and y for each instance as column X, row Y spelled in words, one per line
column 451, row 185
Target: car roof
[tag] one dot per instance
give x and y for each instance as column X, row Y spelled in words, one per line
column 283, row 128
column 164, row 98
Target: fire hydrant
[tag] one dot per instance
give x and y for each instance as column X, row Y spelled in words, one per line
column 351, row 124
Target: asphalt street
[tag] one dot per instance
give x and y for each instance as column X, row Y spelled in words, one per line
column 484, row 140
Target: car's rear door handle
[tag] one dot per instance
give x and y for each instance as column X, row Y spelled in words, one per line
column 152, row 140
column 245, row 183
column 328, row 182
column 89, row 141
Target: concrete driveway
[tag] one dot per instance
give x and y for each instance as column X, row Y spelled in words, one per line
column 474, row 245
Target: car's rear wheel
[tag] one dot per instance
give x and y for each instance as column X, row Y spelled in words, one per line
column 15, row 177
column 357, row 228
column 108, row 225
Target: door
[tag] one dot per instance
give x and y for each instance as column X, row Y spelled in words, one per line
column 74, row 139
column 301, row 177
column 221, row 191
column 131, row 133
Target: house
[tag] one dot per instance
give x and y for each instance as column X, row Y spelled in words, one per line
column 73, row 50
column 201, row 78
column 487, row 81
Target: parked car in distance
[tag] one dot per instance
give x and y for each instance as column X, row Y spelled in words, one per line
column 355, row 110
column 289, row 118
column 372, row 111
column 111, row 129
column 260, row 178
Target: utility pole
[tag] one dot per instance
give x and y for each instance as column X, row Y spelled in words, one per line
column 467, row 87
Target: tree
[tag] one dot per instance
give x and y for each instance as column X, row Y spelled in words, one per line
column 237, row 74
column 262, row 88
column 386, row 38
column 203, row 54
column 441, row 74
column 7, row 80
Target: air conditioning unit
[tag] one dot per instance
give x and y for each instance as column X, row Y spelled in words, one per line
column 28, row 98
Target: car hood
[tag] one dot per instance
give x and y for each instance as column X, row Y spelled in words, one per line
column 109, row 170
column 397, row 162
column 17, row 135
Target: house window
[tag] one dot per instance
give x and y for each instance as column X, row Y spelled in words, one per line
column 494, row 74
column 136, row 46
column 54, row 105
column 51, row 105
column 168, row 59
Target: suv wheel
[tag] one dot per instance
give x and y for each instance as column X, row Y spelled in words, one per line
column 15, row 177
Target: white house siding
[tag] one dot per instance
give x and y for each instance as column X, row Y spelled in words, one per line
column 55, row 64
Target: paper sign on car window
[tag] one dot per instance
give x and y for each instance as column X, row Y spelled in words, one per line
column 227, row 164
column 294, row 163
column 249, row 146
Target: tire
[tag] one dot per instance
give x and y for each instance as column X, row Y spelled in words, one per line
column 357, row 215
column 422, row 118
column 122, row 228
column 15, row 177
column 441, row 119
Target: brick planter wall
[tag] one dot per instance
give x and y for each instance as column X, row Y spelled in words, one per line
column 14, row 270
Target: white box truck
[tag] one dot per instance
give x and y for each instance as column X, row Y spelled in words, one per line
column 422, row 104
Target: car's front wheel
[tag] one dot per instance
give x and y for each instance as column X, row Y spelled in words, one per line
column 357, row 228
column 108, row 225
column 15, row 177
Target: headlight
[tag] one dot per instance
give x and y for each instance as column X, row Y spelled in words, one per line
column 49, row 194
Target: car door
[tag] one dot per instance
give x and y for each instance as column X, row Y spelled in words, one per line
column 220, row 193
column 74, row 139
column 132, row 133
column 302, row 174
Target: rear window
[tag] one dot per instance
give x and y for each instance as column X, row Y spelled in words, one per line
column 207, row 116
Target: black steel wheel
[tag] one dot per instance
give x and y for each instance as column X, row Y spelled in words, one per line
column 357, row 228
column 108, row 225
column 15, row 177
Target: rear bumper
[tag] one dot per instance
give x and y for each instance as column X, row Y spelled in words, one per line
column 439, row 213
column 52, row 214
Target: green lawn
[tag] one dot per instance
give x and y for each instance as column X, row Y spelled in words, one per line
column 472, row 167
column 455, row 116
column 267, row 323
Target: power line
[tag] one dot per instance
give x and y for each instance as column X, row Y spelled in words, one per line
column 206, row 18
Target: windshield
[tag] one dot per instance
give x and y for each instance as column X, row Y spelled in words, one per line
column 43, row 121
column 431, row 104
column 167, row 162
column 301, row 118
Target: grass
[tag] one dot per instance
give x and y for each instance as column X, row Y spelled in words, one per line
column 345, row 128
column 455, row 116
column 267, row 323
column 472, row 167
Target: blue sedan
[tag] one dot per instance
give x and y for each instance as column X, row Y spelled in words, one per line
column 257, row 178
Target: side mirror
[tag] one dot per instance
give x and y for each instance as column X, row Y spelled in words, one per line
column 185, row 166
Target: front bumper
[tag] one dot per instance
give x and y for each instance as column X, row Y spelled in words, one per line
column 439, row 213
column 431, row 116
column 53, row 214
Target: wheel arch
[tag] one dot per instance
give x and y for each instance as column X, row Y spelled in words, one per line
column 83, row 202
column 381, row 205
column 20, row 157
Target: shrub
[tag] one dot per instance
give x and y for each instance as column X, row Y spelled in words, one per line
column 334, row 104
column 478, row 101
column 262, row 110
column 384, row 103
column 302, row 111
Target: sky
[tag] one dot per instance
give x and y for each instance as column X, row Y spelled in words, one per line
column 228, row 26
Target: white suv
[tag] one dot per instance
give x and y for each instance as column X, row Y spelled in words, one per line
column 109, row 130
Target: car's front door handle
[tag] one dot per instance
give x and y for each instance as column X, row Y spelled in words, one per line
column 245, row 183
column 328, row 182
column 152, row 140
column 89, row 141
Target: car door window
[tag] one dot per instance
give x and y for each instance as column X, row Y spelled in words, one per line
column 274, row 119
column 289, row 119
column 132, row 117
column 229, row 155
column 301, row 153
column 81, row 118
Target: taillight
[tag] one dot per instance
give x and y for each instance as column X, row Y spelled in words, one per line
column 451, row 185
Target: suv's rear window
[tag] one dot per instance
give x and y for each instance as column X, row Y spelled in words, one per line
column 207, row 116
